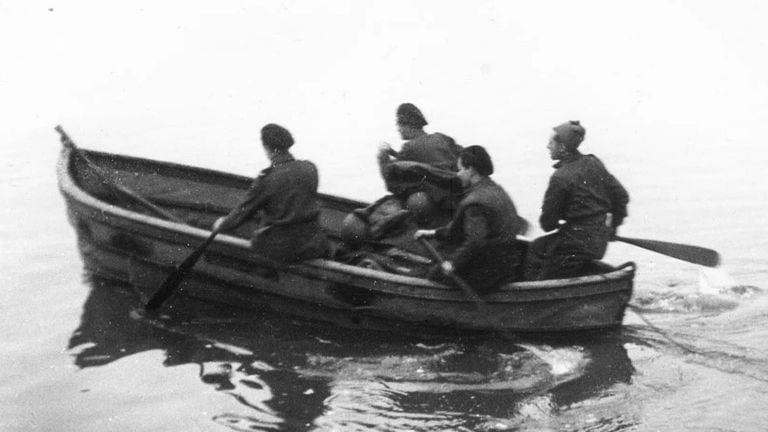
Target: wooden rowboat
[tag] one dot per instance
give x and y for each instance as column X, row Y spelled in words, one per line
column 119, row 239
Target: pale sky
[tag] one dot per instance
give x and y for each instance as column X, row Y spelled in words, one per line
column 665, row 75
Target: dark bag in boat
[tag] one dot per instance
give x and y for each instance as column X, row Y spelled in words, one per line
column 392, row 260
column 385, row 217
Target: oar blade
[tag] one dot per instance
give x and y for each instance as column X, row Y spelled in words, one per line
column 693, row 254
column 166, row 289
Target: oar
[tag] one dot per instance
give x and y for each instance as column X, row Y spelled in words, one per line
column 125, row 192
column 173, row 280
column 693, row 254
column 179, row 273
column 468, row 290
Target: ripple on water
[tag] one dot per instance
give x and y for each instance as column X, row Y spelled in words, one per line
column 453, row 368
column 716, row 292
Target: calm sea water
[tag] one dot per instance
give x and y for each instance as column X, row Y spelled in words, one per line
column 193, row 84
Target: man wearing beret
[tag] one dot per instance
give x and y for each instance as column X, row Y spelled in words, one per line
column 422, row 173
column 282, row 200
column 584, row 203
column 483, row 231
column 435, row 149
column 421, row 178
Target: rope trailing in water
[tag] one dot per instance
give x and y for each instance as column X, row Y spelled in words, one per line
column 688, row 350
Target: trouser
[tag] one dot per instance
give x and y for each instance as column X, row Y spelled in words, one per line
column 290, row 243
column 567, row 252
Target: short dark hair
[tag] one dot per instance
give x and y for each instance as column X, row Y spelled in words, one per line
column 476, row 157
column 276, row 137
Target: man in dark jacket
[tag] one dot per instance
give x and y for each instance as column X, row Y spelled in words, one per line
column 283, row 201
column 421, row 178
column 483, row 230
column 422, row 172
column 583, row 202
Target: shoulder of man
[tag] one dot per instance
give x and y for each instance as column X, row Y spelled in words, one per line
column 444, row 137
column 300, row 167
column 261, row 179
column 307, row 164
column 573, row 166
column 293, row 163
column 483, row 194
column 593, row 158
column 448, row 139
column 563, row 177
column 264, row 173
column 596, row 161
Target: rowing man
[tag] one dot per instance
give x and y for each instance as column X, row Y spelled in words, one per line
column 584, row 203
column 483, row 230
column 283, row 201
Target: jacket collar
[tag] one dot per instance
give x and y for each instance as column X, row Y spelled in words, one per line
column 282, row 158
column 570, row 158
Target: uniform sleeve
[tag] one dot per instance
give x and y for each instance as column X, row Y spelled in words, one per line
column 384, row 160
column 252, row 202
column 619, row 199
column 475, row 228
column 553, row 208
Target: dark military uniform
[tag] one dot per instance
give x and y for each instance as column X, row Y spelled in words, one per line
column 483, row 234
column 437, row 150
column 283, row 198
column 581, row 192
column 426, row 163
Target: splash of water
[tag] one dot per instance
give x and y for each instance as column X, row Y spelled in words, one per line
column 715, row 292
column 561, row 361
column 717, row 281
column 714, row 281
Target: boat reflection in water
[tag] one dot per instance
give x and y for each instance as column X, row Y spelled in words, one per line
column 308, row 375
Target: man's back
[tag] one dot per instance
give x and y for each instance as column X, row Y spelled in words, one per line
column 435, row 149
column 582, row 187
column 500, row 213
column 289, row 192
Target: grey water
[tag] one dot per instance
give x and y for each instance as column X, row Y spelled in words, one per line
column 674, row 100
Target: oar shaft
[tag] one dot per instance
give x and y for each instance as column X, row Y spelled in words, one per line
column 459, row 281
column 174, row 279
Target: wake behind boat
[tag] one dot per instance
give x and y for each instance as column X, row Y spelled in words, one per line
column 120, row 239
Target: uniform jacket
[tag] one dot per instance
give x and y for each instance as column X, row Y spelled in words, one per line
column 485, row 219
column 425, row 163
column 581, row 189
column 283, row 194
column 435, row 149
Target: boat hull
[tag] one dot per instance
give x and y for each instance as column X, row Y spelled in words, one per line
column 127, row 245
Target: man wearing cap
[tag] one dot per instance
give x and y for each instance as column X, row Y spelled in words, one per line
column 483, row 231
column 422, row 180
column 282, row 200
column 435, row 149
column 422, row 173
column 583, row 202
